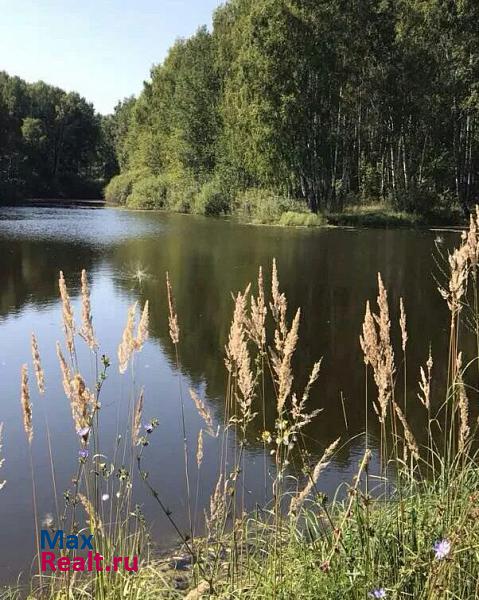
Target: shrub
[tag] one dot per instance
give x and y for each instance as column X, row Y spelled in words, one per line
column 266, row 206
column 211, row 200
column 301, row 219
column 150, row 193
column 121, row 186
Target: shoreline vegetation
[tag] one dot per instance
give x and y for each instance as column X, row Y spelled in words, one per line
column 292, row 113
column 405, row 525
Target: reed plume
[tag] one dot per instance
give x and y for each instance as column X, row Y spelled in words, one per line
column 258, row 310
column 199, row 449
column 313, row 478
column 378, row 351
column 463, row 406
column 26, row 405
column 137, row 419
column 86, row 331
column 94, row 519
column 425, row 383
column 278, row 307
column 66, row 373
column 81, row 400
column 37, row 365
column 142, row 332
column 281, row 362
column 127, row 344
column 408, row 435
column 458, row 273
column 67, row 314
column 203, row 412
column 172, row 316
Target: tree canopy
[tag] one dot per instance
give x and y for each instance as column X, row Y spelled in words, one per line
column 328, row 102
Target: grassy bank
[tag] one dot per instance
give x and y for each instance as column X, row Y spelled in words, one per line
column 258, row 206
column 404, row 526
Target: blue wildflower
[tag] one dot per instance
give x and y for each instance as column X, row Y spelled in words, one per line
column 83, row 453
column 441, row 549
column 378, row 593
column 148, row 427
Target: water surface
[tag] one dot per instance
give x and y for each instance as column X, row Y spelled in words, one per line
column 329, row 273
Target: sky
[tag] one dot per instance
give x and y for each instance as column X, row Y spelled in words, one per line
column 103, row 49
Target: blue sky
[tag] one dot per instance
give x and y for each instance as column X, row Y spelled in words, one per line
column 101, row 48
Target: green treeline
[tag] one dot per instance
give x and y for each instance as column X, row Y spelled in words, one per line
column 52, row 143
column 290, row 106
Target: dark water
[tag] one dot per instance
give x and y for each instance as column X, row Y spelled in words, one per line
column 329, row 273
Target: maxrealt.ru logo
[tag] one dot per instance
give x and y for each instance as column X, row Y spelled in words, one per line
column 93, row 561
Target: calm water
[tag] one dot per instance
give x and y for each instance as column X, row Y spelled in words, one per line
column 330, row 274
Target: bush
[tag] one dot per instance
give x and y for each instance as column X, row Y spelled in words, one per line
column 121, row 186
column 265, row 206
column 211, row 200
column 301, row 219
column 149, row 193
column 182, row 190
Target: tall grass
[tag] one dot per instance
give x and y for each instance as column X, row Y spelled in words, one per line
column 405, row 526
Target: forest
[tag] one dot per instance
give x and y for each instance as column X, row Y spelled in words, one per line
column 52, row 143
column 284, row 109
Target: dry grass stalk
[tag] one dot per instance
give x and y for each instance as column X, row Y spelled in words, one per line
column 135, row 433
column 278, row 307
column 425, row 383
column 37, row 365
column 203, row 412
column 95, row 521
column 127, row 344
column 172, row 316
column 67, row 314
column 217, row 513
column 402, row 324
column 2, row 460
column 281, row 362
column 66, row 373
column 257, row 330
column 298, row 500
column 298, row 408
column 378, row 351
column 463, row 406
column 142, row 332
column 87, row 332
column 26, row 405
column 459, row 271
column 199, row 449
column 409, row 437
column 471, row 239
column 81, row 400
column 238, row 359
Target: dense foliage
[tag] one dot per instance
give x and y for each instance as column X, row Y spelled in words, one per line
column 52, row 143
column 326, row 102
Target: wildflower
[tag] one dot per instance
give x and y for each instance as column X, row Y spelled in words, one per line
column 83, row 432
column 266, row 437
column 442, row 549
column 378, row 593
column 148, row 427
column 105, row 497
column 83, row 453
